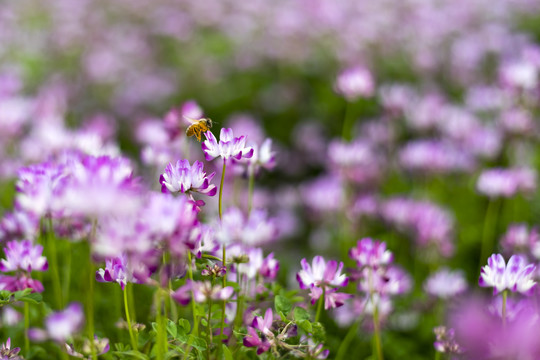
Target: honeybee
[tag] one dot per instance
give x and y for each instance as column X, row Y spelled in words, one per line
column 198, row 127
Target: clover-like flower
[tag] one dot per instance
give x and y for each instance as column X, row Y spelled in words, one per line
column 516, row 276
column 446, row 284
column 116, row 270
column 185, row 178
column 23, row 258
column 370, row 253
column 7, row 353
column 264, row 325
column 202, row 292
column 227, row 147
column 324, row 278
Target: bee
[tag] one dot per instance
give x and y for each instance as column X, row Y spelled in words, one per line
column 198, row 127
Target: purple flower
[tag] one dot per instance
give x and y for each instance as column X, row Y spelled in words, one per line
column 321, row 278
column 7, row 353
column 516, row 276
column 263, row 157
column 446, row 284
column 228, row 146
column 116, row 270
column 18, row 225
column 520, row 239
column 23, row 256
column 202, row 292
column 371, row 253
column 445, row 342
column 269, row 267
column 253, row 230
column 357, row 161
column 355, row 82
column 64, row 324
column 186, row 178
column 501, row 182
column 435, row 157
column 85, row 352
column 264, row 325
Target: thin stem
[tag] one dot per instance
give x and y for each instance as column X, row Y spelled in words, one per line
column 128, row 318
column 51, row 243
column 67, row 271
column 490, row 225
column 161, row 335
column 220, row 203
column 251, row 188
column 209, row 330
column 377, row 333
column 347, row 122
column 504, row 295
column 90, row 294
column 438, row 355
column 26, row 327
column 193, row 305
column 222, row 326
column 240, row 305
column 346, row 341
column 319, row 305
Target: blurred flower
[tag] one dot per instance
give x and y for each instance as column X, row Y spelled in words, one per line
column 323, row 277
column 355, row 82
column 370, row 253
column 254, row 230
column 101, row 347
column 18, row 225
column 23, row 256
column 7, row 353
column 263, row 157
column 385, row 281
column 356, row 161
column 445, row 342
column 446, row 284
column 202, row 292
column 323, row 194
column 228, row 146
column 64, row 324
column 269, row 267
column 516, row 276
column 520, row 239
column 101, row 186
column 499, row 182
column 187, row 179
column 435, row 157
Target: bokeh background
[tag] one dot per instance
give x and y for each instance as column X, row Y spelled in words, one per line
column 383, row 115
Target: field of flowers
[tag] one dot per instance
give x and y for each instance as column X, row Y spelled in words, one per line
column 312, row 179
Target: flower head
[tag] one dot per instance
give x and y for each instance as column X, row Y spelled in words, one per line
column 516, row 276
column 227, row 147
column 185, row 178
column 7, row 353
column 323, row 278
column 506, row 182
column 23, row 256
column 115, row 270
column 355, row 82
column 446, row 284
column 371, row 253
column 63, row 324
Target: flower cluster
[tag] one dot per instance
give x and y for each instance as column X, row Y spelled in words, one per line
column 22, row 258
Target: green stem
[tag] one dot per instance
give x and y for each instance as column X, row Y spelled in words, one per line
column 161, row 336
column 51, row 243
column 240, row 305
column 346, row 341
column 251, row 188
column 377, row 333
column 490, row 225
column 26, row 327
column 67, row 271
column 319, row 305
column 504, row 295
column 209, row 330
column 220, row 203
column 347, row 123
column 90, row 293
column 193, row 305
column 438, row 355
column 128, row 318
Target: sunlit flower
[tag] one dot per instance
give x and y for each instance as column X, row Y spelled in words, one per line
column 370, row 253
column 323, row 277
column 227, row 147
column 101, row 346
column 23, row 256
column 7, row 353
column 116, row 270
column 355, row 82
column 185, row 178
column 516, row 276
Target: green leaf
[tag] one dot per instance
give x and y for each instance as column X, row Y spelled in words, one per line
column 133, row 353
column 197, row 342
column 171, row 328
column 184, row 325
column 305, row 325
column 34, row 298
column 282, row 304
column 227, row 355
column 300, row 314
